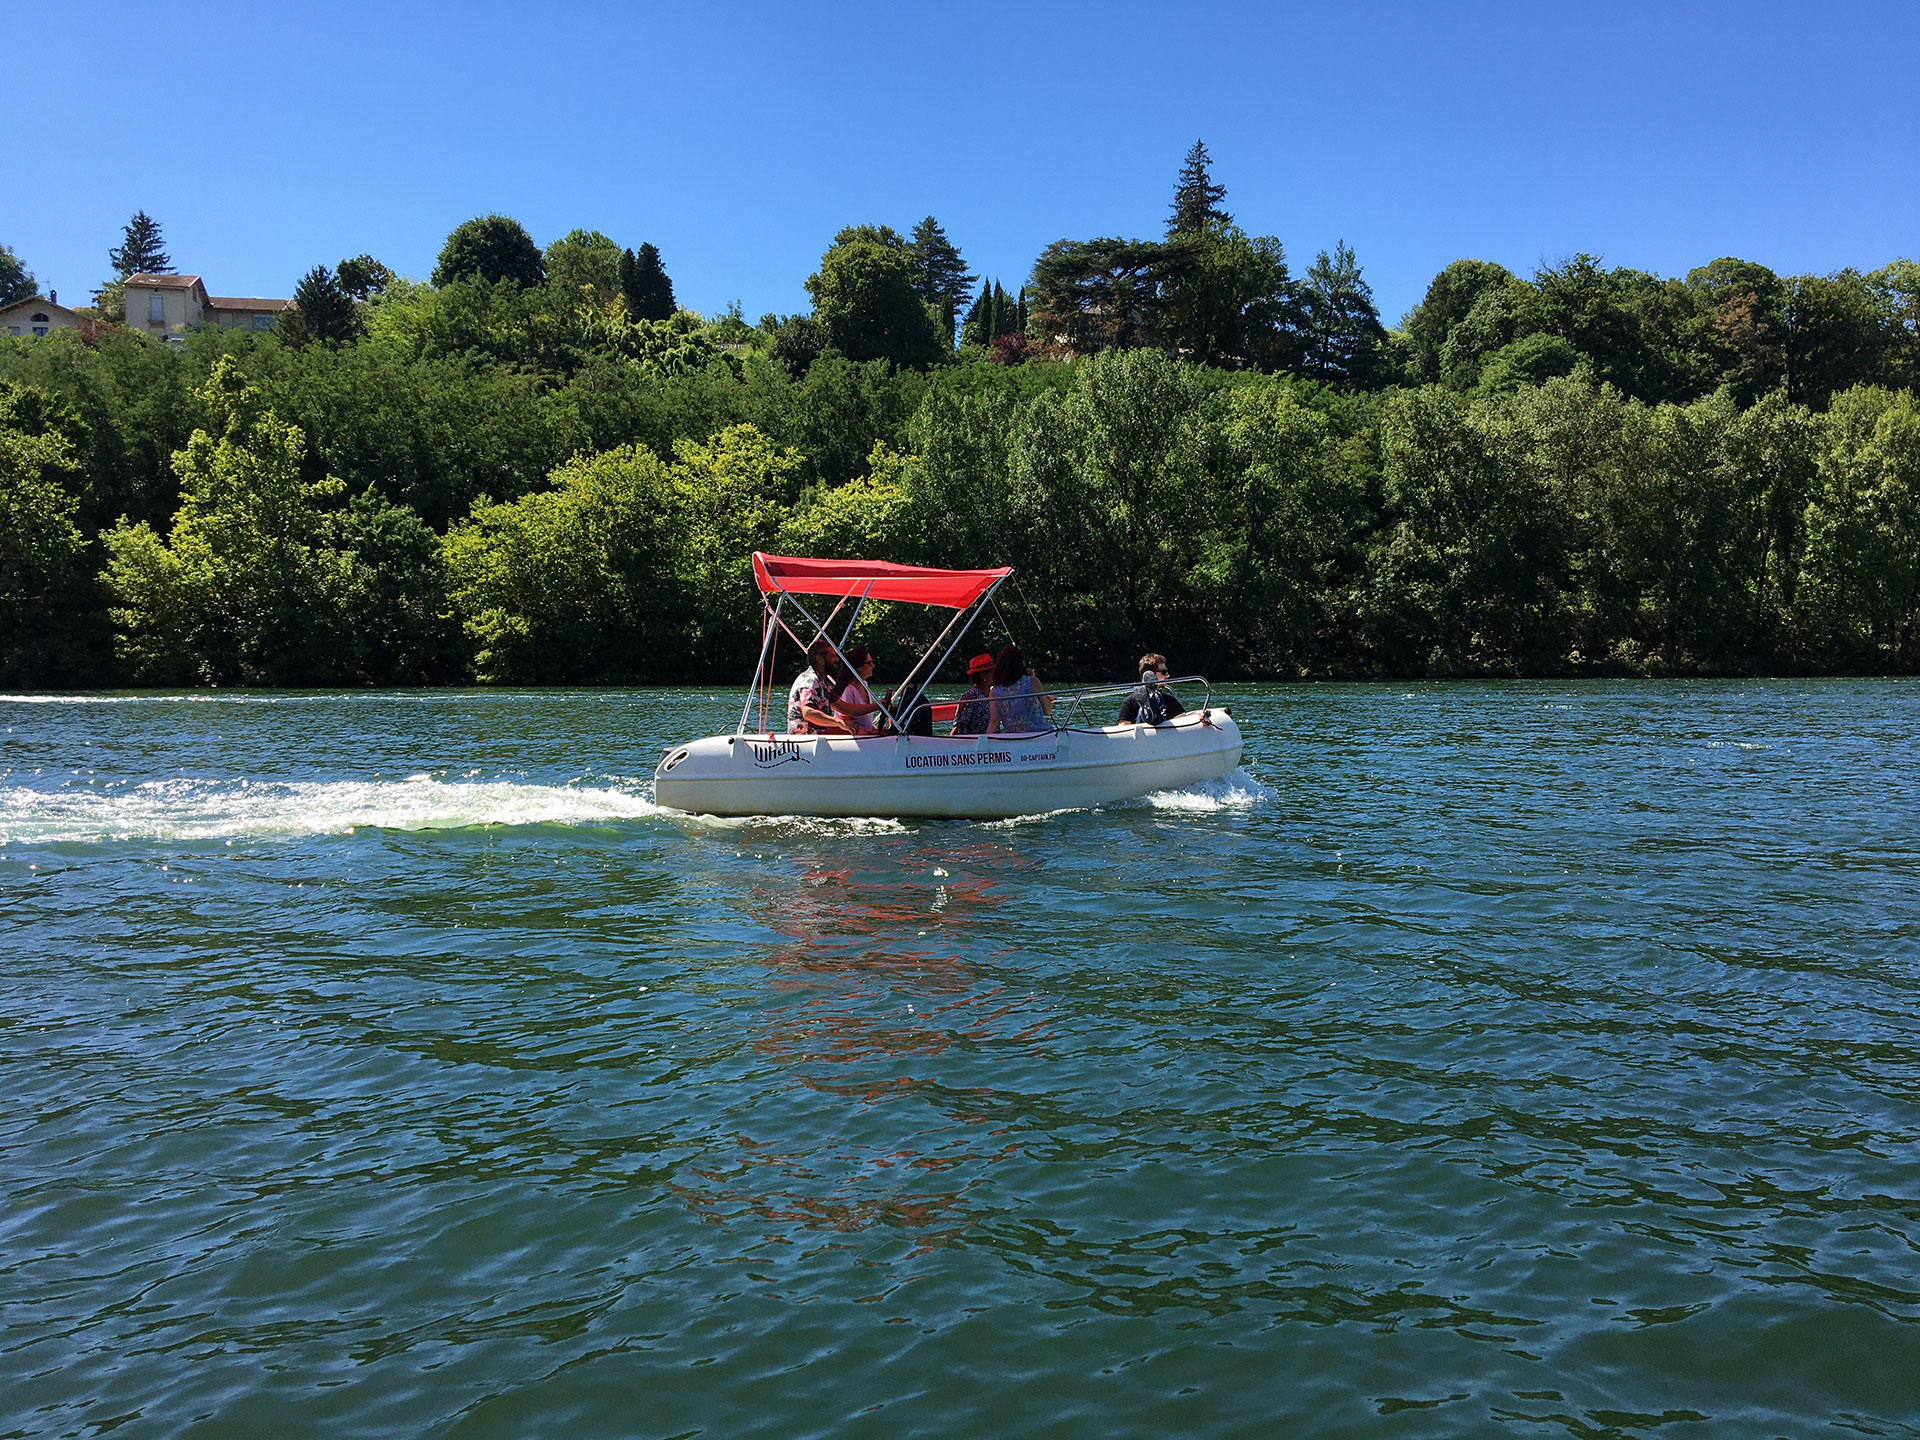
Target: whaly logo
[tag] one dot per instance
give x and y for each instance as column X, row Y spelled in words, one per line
column 768, row 753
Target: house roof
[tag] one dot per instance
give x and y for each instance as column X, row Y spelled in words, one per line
column 246, row 302
column 38, row 304
column 165, row 282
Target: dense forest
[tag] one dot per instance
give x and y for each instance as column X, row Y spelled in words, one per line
column 534, row 467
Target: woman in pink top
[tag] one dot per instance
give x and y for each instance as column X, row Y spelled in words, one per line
column 854, row 704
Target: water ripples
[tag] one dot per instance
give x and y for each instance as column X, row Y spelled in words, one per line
column 1485, row 1058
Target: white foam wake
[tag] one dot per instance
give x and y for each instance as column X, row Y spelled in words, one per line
column 1236, row 790
column 233, row 809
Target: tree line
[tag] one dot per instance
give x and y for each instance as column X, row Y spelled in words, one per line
column 535, row 468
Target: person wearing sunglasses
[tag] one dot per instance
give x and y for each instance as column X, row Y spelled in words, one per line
column 1150, row 702
column 976, row 709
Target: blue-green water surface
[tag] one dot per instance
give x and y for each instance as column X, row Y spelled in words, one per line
column 1527, row 1059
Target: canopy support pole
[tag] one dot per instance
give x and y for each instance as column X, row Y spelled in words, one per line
column 854, row 619
column 972, row 612
column 762, row 673
column 820, row 629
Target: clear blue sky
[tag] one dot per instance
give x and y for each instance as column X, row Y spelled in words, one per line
column 739, row 137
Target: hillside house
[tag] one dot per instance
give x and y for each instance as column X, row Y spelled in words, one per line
column 36, row 316
column 167, row 306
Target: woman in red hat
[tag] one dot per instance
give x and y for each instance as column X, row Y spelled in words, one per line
column 975, row 712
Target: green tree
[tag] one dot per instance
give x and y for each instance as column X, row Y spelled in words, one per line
column 1837, row 336
column 16, row 282
column 841, row 409
column 263, row 578
column 644, row 284
column 1859, row 592
column 624, row 562
column 135, row 407
column 234, row 593
column 1688, row 534
column 1531, row 360
column 1227, row 300
column 1450, row 296
column 44, row 600
column 1472, row 569
column 1742, row 308
column 729, row 494
column 993, row 315
column 1103, row 511
column 363, row 277
column 1196, row 205
column 1896, row 290
column 141, row 250
column 1341, row 339
column 491, row 247
column 865, row 300
column 1622, row 320
column 1094, row 295
column 322, row 310
column 1278, row 534
column 1501, row 312
column 583, row 266
column 797, row 341
column 939, row 274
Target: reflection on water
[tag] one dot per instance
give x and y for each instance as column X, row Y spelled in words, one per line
column 865, row 1021
column 1519, row 1058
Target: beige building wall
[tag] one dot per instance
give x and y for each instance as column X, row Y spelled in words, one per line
column 230, row 317
column 36, row 317
column 163, row 310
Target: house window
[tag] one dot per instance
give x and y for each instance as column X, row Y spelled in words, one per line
column 263, row 322
column 39, row 319
column 13, row 329
column 155, row 312
column 39, row 330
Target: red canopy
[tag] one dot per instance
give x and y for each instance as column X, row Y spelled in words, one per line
column 875, row 579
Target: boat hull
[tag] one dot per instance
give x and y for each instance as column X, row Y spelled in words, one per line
column 971, row 777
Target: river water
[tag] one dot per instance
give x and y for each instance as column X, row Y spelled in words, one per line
column 1535, row 1059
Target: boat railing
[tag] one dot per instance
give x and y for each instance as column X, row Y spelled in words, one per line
column 1075, row 697
column 1078, row 695
column 945, row 710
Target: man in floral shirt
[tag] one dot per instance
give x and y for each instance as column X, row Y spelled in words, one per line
column 810, row 700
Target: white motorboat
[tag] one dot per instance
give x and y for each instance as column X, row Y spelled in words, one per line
column 762, row 771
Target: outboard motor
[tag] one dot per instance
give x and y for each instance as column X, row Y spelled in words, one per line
column 1153, row 702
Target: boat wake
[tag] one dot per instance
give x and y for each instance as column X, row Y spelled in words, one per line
column 234, row 809
column 1236, row 790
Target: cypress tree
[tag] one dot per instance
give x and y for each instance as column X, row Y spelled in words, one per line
column 645, row 286
column 979, row 317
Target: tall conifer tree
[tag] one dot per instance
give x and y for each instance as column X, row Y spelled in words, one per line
column 141, row 251
column 939, row 274
column 1196, row 199
column 645, row 286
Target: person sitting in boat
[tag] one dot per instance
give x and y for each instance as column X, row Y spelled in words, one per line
column 810, row 700
column 1020, row 703
column 853, row 702
column 1150, row 702
column 976, row 706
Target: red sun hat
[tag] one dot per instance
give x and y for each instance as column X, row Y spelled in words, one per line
column 979, row 663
